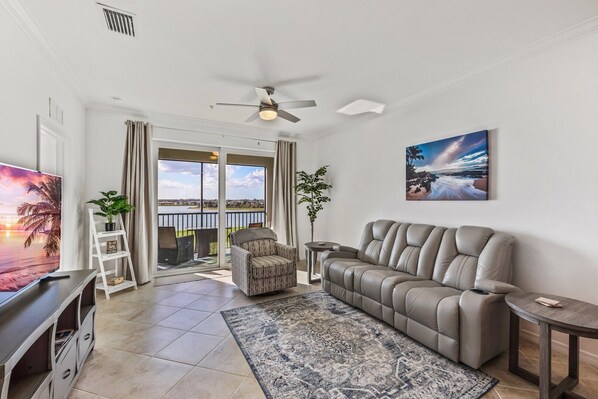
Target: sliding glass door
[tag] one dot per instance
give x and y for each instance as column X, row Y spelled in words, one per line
column 188, row 206
column 203, row 196
column 248, row 185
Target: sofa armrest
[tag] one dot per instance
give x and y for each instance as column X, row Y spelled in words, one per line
column 336, row 254
column 483, row 325
column 344, row 248
column 286, row 251
column 495, row 287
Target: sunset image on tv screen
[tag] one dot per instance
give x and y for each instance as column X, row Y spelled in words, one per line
column 30, row 211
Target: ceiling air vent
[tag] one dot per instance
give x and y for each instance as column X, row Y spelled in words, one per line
column 361, row 106
column 118, row 21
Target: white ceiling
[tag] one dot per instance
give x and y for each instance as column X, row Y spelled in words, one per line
column 190, row 54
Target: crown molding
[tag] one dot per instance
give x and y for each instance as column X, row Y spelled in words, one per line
column 558, row 39
column 22, row 18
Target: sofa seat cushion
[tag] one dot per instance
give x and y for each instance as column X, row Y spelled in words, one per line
column 436, row 308
column 340, row 264
column 379, row 283
column 399, row 294
column 342, row 271
column 271, row 266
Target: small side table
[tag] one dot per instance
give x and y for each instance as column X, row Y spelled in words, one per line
column 311, row 256
column 576, row 318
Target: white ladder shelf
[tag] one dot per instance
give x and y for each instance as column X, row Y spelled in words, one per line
column 97, row 250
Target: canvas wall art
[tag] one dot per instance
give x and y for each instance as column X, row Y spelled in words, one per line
column 450, row 169
column 30, row 226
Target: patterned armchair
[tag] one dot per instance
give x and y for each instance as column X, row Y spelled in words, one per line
column 260, row 264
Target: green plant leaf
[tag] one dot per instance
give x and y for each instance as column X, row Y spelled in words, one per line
column 112, row 204
column 310, row 190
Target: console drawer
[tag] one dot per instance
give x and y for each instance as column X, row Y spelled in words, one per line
column 86, row 336
column 43, row 393
column 65, row 372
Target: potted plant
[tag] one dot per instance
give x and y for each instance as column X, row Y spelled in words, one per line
column 310, row 189
column 111, row 205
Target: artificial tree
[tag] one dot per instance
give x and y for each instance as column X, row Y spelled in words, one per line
column 310, row 190
column 111, row 205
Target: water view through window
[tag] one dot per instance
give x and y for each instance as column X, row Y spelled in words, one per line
column 188, row 209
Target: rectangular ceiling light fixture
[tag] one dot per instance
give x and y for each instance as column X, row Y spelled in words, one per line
column 361, row 107
column 118, row 21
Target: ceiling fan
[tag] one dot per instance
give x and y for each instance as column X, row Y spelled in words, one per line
column 268, row 109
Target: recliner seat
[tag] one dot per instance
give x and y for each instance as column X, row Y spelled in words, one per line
column 417, row 278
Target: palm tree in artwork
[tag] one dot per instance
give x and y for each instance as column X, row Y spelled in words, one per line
column 43, row 217
column 414, row 153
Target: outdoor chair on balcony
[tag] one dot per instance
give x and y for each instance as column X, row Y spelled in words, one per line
column 172, row 249
column 260, row 264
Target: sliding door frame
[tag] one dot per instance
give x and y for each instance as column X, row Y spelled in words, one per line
column 156, row 145
column 223, row 153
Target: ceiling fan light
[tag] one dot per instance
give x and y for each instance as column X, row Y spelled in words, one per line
column 268, row 114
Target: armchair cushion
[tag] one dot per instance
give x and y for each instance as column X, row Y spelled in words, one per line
column 263, row 247
column 271, row 266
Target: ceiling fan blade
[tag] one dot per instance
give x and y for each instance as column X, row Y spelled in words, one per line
column 263, row 96
column 253, row 117
column 297, row 104
column 239, row 105
column 287, row 116
column 298, row 80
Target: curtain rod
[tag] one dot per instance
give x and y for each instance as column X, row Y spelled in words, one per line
column 213, row 134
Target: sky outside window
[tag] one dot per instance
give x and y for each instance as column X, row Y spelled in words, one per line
column 181, row 180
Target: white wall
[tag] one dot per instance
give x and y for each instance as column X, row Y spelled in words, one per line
column 543, row 113
column 106, row 139
column 27, row 81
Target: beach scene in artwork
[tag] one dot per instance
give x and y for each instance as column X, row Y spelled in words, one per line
column 30, row 213
column 451, row 169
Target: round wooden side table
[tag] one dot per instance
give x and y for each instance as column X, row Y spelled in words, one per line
column 311, row 257
column 575, row 318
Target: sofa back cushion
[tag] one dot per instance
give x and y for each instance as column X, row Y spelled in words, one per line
column 263, row 247
column 414, row 249
column 376, row 242
column 472, row 253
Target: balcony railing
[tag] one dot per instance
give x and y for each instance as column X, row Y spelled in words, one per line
column 191, row 221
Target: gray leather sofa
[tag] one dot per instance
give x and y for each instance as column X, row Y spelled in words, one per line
column 419, row 277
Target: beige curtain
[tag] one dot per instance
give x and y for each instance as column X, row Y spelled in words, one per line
column 284, row 201
column 138, row 185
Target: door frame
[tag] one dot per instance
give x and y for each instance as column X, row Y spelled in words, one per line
column 223, row 153
column 156, row 145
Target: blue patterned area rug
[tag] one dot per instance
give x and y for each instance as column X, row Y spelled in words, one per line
column 315, row 346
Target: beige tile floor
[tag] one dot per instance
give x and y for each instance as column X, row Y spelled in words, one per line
column 171, row 342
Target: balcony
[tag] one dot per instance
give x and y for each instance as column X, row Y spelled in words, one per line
column 203, row 226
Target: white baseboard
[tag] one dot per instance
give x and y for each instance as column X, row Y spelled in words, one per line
column 561, row 347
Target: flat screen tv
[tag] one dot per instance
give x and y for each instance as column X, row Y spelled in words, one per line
column 30, row 221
